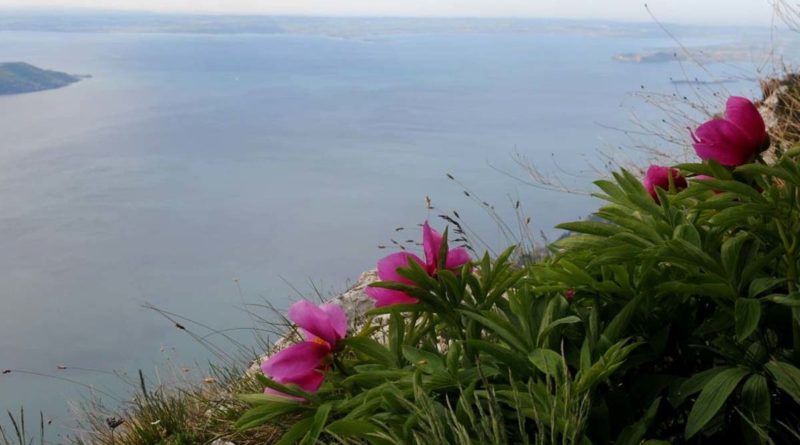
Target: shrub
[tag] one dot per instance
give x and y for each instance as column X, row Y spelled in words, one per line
column 672, row 317
column 707, row 283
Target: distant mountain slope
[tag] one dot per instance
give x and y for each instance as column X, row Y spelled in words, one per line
column 20, row 77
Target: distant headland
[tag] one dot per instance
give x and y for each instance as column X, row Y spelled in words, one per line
column 21, row 77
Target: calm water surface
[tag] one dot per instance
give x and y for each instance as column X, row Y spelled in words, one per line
column 189, row 162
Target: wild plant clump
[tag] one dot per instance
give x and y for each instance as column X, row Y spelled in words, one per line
column 674, row 317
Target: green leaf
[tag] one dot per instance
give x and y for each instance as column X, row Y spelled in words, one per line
column 615, row 194
column 351, row 428
column 623, row 217
column 577, row 274
column 764, row 284
column 265, row 412
column 791, row 300
column 316, row 427
column 375, row 377
column 291, row 389
column 718, row 171
column 498, row 327
column 397, row 329
column 736, row 187
column 606, row 365
column 683, row 252
column 414, row 291
column 619, row 324
column 765, row 170
column 428, row 362
column 586, row 356
column 757, row 264
column 547, row 361
column 453, row 357
column 730, row 253
column 756, row 399
column 506, row 356
column 417, row 274
column 298, row 430
column 709, row 289
column 689, row 233
column 693, row 384
column 738, row 214
column 708, row 168
column 590, row 227
column 394, row 399
column 264, row 399
column 394, row 309
column 637, row 194
column 634, row 433
column 712, row 397
column 372, row 349
column 747, row 315
column 695, row 167
column 442, row 253
column 570, row 319
column 787, row 377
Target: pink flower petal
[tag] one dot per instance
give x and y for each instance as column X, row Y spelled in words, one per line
column 431, row 243
column 315, row 321
column 387, row 266
column 309, row 382
column 388, row 297
column 744, row 114
column 337, row 318
column 723, row 142
column 457, row 257
column 294, row 363
column 658, row 176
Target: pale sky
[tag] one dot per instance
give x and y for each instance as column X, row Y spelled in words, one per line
column 739, row 12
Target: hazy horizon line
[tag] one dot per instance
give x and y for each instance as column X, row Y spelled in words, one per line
column 78, row 10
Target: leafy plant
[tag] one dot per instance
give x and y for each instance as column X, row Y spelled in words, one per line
column 672, row 317
column 710, row 276
column 481, row 339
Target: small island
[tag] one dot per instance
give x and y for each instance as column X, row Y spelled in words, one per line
column 21, row 77
column 705, row 54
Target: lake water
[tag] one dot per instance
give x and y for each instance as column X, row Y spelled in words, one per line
column 190, row 163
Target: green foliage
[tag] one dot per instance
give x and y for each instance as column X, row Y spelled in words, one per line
column 683, row 328
column 707, row 283
column 478, row 360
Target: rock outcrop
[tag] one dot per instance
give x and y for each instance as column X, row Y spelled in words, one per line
column 780, row 109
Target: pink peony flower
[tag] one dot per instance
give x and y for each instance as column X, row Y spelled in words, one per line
column 305, row 363
column 387, row 267
column 658, row 176
column 734, row 140
column 569, row 294
column 432, row 243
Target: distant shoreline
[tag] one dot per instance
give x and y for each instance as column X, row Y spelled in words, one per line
column 89, row 21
